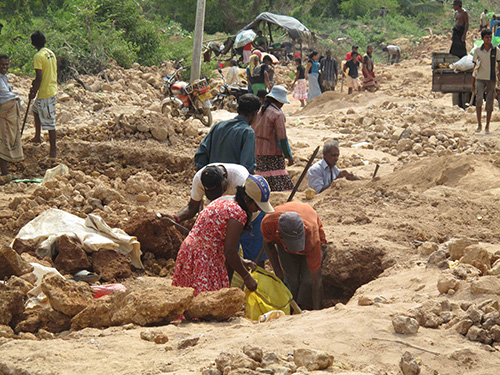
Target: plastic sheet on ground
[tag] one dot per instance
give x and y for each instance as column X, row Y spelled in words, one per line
column 93, row 233
column 37, row 298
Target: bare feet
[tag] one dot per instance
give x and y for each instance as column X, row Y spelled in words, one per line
column 478, row 130
column 36, row 140
column 486, row 130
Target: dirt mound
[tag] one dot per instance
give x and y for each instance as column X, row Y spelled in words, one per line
column 469, row 173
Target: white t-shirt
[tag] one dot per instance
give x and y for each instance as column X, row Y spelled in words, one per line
column 393, row 50
column 482, row 57
column 236, row 176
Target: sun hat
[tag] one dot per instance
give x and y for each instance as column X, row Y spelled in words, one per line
column 257, row 188
column 212, row 178
column 279, row 93
column 292, row 232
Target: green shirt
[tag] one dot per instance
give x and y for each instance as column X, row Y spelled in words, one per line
column 231, row 141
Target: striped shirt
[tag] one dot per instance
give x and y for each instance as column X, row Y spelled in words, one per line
column 328, row 68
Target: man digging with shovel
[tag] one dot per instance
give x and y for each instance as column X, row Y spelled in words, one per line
column 293, row 235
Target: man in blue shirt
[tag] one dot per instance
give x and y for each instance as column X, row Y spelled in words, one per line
column 321, row 175
column 232, row 141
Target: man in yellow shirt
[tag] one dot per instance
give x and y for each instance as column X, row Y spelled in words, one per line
column 45, row 84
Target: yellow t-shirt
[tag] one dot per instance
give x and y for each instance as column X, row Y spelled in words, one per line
column 46, row 61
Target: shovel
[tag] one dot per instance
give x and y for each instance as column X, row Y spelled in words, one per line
column 25, row 116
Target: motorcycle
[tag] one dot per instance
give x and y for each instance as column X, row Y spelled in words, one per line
column 184, row 99
column 228, row 95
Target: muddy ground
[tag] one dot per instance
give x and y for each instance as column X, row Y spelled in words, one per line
column 438, row 180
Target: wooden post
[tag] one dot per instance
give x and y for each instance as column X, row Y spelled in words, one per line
column 198, row 41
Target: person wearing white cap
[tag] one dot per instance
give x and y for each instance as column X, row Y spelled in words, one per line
column 209, row 254
column 293, row 235
column 271, row 142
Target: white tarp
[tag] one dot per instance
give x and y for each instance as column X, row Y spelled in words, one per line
column 93, row 233
column 37, row 298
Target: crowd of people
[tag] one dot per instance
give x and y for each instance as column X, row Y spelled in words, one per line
column 240, row 161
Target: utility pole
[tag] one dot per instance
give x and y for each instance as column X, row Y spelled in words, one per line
column 198, row 40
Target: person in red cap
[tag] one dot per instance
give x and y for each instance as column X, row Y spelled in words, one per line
column 209, row 254
column 293, row 235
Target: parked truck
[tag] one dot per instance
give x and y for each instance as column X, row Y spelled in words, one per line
column 446, row 80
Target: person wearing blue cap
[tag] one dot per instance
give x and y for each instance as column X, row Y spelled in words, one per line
column 209, row 254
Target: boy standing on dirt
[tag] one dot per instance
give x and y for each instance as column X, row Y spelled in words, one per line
column 353, row 74
column 45, row 85
column 484, row 59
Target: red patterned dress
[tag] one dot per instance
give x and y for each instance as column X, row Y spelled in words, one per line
column 201, row 261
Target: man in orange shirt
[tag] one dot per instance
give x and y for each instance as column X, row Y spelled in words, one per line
column 293, row 235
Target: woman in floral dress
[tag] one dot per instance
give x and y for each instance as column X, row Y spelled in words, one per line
column 213, row 241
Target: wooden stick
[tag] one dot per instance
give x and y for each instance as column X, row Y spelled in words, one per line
column 25, row 116
column 376, row 170
column 304, row 172
column 407, row 344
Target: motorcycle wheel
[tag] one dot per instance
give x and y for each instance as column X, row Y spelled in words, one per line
column 203, row 114
column 232, row 105
column 169, row 110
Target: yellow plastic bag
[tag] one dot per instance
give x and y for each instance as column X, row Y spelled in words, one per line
column 271, row 294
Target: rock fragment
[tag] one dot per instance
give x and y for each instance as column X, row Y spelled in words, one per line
column 12, row 264
column 427, row 248
column 438, row 259
column 143, row 307
column 46, row 319
column 156, row 336
column 71, row 257
column 405, row 325
column 6, row 332
column 312, row 359
column 446, row 282
column 111, row 265
column 456, row 247
column 67, row 297
column 218, row 305
column 486, row 285
column 11, row 304
column 186, row 343
column 408, row 365
column 253, row 352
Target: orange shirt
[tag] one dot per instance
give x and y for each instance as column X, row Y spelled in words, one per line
column 315, row 235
